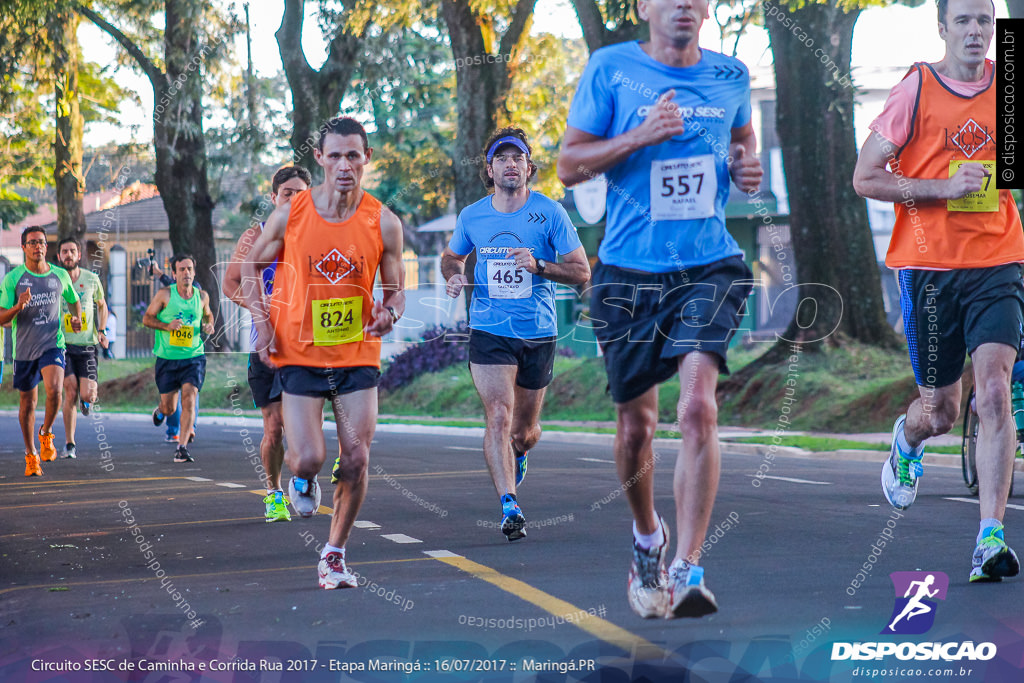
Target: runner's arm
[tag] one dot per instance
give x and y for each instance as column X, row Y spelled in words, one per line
column 453, row 265
column 574, row 269
column 745, row 170
column 9, row 314
column 873, row 180
column 160, row 300
column 101, row 316
column 233, row 275
column 585, row 155
column 207, row 322
column 392, row 277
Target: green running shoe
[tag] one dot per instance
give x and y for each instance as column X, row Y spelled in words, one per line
column 277, row 507
column 336, row 472
column 993, row 559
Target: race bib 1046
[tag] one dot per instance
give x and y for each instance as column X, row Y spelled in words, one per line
column 683, row 189
column 182, row 336
column 337, row 321
column 506, row 281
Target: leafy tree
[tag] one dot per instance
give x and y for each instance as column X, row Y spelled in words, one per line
column 192, row 36
column 606, row 22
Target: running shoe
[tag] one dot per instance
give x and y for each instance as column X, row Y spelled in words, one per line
column 993, row 559
column 513, row 523
column 336, row 471
column 32, row 468
column 171, row 438
column 901, row 472
column 47, row 451
column 304, row 495
column 158, row 418
column 520, row 463
column 333, row 572
column 86, row 406
column 181, row 454
column 647, row 582
column 277, row 507
column 70, row 451
column 687, row 594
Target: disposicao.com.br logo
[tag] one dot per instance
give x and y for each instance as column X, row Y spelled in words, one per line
column 916, row 595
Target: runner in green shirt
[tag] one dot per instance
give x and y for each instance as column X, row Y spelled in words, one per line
column 177, row 313
column 30, row 299
column 80, row 372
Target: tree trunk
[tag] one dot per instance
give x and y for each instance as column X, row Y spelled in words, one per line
column 832, row 242
column 595, row 29
column 69, row 183
column 181, row 147
column 316, row 95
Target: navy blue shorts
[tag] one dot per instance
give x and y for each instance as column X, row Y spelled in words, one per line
column 264, row 382
column 300, row 380
column 172, row 375
column 535, row 358
column 645, row 322
column 28, row 373
column 947, row 314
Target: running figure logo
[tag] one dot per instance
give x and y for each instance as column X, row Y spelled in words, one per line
column 914, row 612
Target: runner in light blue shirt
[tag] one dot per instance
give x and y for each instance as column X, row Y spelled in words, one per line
column 517, row 235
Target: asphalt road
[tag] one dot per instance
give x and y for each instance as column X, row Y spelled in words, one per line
column 123, row 559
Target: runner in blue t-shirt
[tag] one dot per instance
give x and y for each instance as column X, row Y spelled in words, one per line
column 518, row 236
column 669, row 125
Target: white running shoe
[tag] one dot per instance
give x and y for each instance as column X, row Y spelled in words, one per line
column 304, row 495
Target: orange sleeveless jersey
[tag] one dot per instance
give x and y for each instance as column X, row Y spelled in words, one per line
column 323, row 287
column 978, row 231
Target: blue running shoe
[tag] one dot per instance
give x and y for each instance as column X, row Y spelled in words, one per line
column 993, row 559
column 513, row 523
column 901, row 472
column 520, row 463
column 687, row 594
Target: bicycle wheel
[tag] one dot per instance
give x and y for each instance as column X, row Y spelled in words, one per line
column 968, row 447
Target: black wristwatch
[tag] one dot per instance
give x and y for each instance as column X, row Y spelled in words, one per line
column 394, row 316
column 541, row 265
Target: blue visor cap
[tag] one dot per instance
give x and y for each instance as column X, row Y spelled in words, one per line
column 509, row 140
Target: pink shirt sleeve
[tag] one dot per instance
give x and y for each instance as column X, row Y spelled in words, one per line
column 893, row 123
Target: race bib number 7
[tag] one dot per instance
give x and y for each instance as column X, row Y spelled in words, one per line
column 986, row 199
column 337, row 321
column 182, row 336
column 683, row 189
column 67, row 323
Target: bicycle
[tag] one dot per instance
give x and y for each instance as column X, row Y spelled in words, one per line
column 969, row 444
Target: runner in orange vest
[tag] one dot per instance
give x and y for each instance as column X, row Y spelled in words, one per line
column 322, row 327
column 958, row 246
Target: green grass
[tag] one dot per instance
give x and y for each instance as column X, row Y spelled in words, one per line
column 820, row 444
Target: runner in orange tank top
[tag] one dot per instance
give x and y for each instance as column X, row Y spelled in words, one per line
column 958, row 245
column 322, row 327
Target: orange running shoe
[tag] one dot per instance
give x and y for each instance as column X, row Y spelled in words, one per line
column 32, row 468
column 46, row 450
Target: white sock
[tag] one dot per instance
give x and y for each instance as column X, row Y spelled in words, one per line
column 901, row 441
column 328, row 548
column 649, row 540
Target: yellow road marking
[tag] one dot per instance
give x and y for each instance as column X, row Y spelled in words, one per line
column 180, row 577
column 596, row 626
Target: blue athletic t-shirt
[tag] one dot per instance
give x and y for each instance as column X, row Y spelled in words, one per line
column 510, row 301
column 666, row 204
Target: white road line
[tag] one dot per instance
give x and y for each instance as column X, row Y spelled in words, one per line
column 401, row 538
column 440, row 553
column 461, row 448
column 363, row 524
column 796, row 481
column 977, row 502
column 198, row 479
column 611, row 462
column 229, row 485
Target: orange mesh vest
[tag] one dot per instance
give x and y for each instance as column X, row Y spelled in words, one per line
column 323, row 287
column 978, row 231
